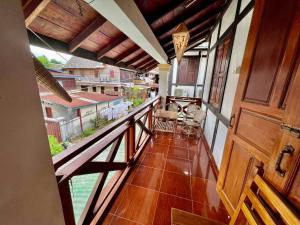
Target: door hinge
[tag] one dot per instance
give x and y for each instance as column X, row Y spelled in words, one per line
column 293, row 130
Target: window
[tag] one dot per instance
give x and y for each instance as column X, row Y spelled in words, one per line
column 84, row 88
column 94, row 89
column 188, row 71
column 102, row 90
column 116, row 88
column 49, row 112
column 71, row 72
column 96, row 73
column 220, row 71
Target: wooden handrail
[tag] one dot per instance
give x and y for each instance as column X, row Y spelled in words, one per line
column 74, row 150
column 78, row 160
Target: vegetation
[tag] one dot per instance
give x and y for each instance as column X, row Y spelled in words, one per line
column 138, row 101
column 46, row 62
column 55, row 146
column 99, row 122
column 87, row 132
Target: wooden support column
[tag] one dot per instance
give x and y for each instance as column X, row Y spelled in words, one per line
column 29, row 192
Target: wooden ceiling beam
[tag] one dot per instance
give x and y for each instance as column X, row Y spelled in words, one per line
column 126, row 16
column 150, row 65
column 147, row 64
column 144, row 62
column 33, row 9
column 86, row 33
column 136, row 58
column 185, row 15
column 126, row 53
column 201, row 23
column 114, row 43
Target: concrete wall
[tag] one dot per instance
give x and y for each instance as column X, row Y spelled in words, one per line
column 28, row 193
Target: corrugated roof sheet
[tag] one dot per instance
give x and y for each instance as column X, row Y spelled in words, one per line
column 81, row 63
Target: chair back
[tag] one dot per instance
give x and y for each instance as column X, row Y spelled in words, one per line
column 261, row 204
column 191, row 109
column 199, row 116
column 174, row 107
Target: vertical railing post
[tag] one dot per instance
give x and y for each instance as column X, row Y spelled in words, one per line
column 150, row 117
column 130, row 139
column 66, row 201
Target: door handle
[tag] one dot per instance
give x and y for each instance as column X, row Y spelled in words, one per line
column 288, row 149
column 231, row 121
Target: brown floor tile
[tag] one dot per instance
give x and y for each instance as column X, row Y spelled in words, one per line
column 107, row 219
column 147, row 177
column 157, row 148
column 201, row 167
column 204, row 191
column 176, row 184
column 179, row 143
column 177, row 165
column 176, row 152
column 154, row 160
column 138, row 205
column 218, row 214
column 121, row 221
column 164, row 205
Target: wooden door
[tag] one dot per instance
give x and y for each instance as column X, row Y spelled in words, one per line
column 220, row 70
column 267, row 97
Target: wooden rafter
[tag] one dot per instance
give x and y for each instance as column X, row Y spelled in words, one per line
column 33, row 9
column 126, row 53
column 86, row 33
column 136, row 58
column 145, row 61
column 114, row 43
column 147, row 64
column 151, row 65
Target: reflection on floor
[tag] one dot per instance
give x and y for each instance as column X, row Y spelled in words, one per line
column 172, row 172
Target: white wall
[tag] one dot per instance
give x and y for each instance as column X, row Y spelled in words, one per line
column 235, row 64
column 201, row 70
column 244, row 3
column 219, row 143
column 214, row 36
column 209, row 127
column 29, row 192
column 208, row 77
column 228, row 16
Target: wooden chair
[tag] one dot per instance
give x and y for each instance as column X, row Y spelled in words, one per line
column 259, row 204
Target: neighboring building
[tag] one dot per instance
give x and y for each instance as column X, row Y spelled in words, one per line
column 67, row 81
column 65, row 119
column 98, row 77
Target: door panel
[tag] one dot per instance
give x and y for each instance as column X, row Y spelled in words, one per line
column 266, row 138
column 267, row 96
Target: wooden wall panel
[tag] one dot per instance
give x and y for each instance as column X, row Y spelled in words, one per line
column 269, row 49
column 240, row 159
column 266, row 138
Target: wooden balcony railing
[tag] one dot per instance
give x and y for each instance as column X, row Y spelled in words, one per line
column 80, row 160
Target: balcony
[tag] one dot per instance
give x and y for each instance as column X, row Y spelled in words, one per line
column 139, row 174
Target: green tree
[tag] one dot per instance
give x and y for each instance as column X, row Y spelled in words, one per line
column 55, row 147
column 44, row 60
column 54, row 61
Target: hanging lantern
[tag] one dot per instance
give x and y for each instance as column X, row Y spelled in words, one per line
column 46, row 80
column 181, row 38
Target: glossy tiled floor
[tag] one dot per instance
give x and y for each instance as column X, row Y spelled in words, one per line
column 172, row 172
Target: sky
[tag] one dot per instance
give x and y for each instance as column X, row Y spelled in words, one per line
column 37, row 51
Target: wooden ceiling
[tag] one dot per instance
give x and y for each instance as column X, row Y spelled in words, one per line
column 73, row 26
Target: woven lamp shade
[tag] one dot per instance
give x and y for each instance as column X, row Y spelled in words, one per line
column 46, row 80
column 181, row 38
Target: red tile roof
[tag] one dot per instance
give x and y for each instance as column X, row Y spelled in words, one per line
column 77, row 100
